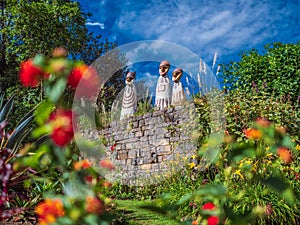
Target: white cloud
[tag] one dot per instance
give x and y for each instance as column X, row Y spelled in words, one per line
column 226, row 26
column 101, row 25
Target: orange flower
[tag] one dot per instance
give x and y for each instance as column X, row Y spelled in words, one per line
column 284, row 154
column 195, row 222
column 281, row 129
column 213, row 220
column 253, row 133
column 59, row 52
column 107, row 164
column 30, row 74
column 85, row 80
column 61, row 122
column 49, row 210
column 83, row 164
column 106, row 184
column 94, row 205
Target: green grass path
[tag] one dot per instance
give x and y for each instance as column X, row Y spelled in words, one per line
column 131, row 213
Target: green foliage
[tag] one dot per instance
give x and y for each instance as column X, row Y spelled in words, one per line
column 133, row 212
column 13, row 198
column 241, row 108
column 276, row 71
column 255, row 182
column 38, row 27
column 32, row 27
column 24, row 101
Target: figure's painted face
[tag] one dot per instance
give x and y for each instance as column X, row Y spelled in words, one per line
column 128, row 79
column 176, row 75
column 164, row 68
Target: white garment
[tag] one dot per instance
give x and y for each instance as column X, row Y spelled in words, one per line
column 178, row 95
column 163, row 92
column 129, row 101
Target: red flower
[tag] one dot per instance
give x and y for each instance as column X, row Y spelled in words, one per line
column 107, row 164
column 94, row 205
column 112, row 148
column 208, row 206
column 49, row 210
column 62, row 132
column 252, row 133
column 85, row 79
column 30, row 74
column 213, row 220
column 284, row 154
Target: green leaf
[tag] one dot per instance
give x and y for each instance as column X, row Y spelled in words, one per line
column 39, row 60
column 211, row 189
column 281, row 187
column 184, row 199
column 57, row 90
column 19, row 133
column 41, row 131
column 287, row 142
column 43, row 112
column 6, row 109
column 33, row 160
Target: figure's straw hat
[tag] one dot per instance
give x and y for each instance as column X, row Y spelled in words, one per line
column 131, row 75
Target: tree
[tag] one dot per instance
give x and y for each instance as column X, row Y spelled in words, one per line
column 276, row 70
column 29, row 27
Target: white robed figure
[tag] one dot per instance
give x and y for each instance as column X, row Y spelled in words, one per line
column 178, row 95
column 163, row 87
column 129, row 102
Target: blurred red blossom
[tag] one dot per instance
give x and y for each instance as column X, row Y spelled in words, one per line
column 94, row 205
column 213, row 220
column 107, row 164
column 208, row 206
column 253, row 133
column 30, row 74
column 85, row 80
column 83, row 164
column 284, row 154
column 48, row 210
column 61, row 122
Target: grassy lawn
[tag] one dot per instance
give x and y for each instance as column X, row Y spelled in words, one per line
column 131, row 213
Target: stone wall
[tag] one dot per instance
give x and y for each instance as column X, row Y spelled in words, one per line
column 146, row 148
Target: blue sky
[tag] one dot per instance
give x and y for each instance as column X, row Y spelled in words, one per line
column 201, row 26
column 205, row 27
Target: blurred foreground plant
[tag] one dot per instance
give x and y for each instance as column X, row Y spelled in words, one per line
column 82, row 199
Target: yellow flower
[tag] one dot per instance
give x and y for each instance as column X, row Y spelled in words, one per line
column 192, row 165
column 238, row 172
column 193, row 156
column 297, row 147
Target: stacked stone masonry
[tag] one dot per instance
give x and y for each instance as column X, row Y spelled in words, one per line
column 147, row 147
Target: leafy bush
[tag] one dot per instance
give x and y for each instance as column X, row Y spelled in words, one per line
column 275, row 70
column 12, row 178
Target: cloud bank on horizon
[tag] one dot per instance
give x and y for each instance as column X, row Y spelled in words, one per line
column 205, row 27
